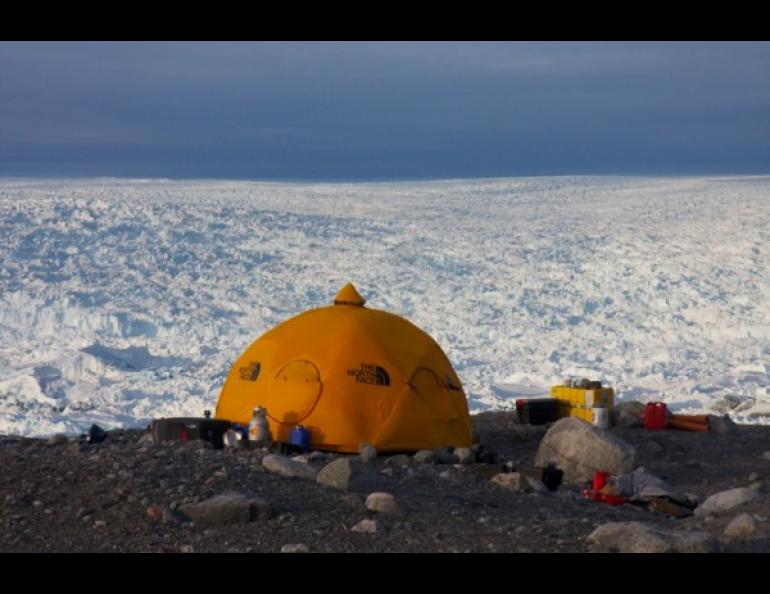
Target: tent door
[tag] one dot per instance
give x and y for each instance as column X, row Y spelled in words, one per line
column 294, row 392
column 435, row 396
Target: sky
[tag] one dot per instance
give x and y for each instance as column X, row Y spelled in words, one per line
column 383, row 110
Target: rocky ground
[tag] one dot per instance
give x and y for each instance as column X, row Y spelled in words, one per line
column 129, row 494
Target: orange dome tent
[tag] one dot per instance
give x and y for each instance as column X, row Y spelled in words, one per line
column 350, row 374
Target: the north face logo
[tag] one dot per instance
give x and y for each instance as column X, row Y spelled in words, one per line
column 370, row 374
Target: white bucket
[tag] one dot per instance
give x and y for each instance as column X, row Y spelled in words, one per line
column 601, row 417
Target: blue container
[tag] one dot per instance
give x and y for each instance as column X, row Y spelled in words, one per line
column 242, row 429
column 300, row 437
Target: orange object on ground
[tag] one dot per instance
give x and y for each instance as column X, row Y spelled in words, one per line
column 674, row 423
column 350, row 374
column 605, row 497
column 691, row 418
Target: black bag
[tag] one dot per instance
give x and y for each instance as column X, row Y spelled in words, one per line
column 537, row 411
column 189, row 428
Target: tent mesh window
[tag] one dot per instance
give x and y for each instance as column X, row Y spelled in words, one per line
column 250, row 372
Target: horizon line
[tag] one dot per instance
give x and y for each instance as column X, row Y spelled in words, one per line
column 375, row 180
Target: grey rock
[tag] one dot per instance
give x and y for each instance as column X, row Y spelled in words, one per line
column 227, row 508
column 580, row 449
column 513, row 481
column 367, row 452
column 367, row 526
column 348, row 474
column 295, row 548
column 766, row 455
column 536, row 486
column 640, row 537
column 742, row 526
column 753, row 477
column 286, row 467
column 464, row 456
column 723, row 425
column 58, row 439
column 444, row 456
column 726, row 501
column 628, row 414
column 398, row 461
column 316, row 456
column 641, row 484
column 424, row 457
column 383, row 503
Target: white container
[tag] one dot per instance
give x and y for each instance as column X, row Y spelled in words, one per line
column 259, row 429
column 601, row 417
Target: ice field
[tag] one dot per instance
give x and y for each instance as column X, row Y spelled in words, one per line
column 124, row 300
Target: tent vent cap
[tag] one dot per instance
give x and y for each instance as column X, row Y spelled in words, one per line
column 349, row 296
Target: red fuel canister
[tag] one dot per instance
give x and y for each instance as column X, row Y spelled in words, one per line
column 600, row 479
column 655, row 414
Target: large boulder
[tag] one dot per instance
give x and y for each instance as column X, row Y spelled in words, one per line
column 628, row 414
column 289, row 468
column 726, row 501
column 348, row 474
column 639, row 537
column 227, row 508
column 580, row 449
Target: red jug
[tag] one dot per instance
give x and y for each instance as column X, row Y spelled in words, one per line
column 655, row 414
column 600, row 479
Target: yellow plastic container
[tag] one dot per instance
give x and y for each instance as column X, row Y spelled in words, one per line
column 579, row 402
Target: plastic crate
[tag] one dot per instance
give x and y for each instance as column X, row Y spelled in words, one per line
column 579, row 402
